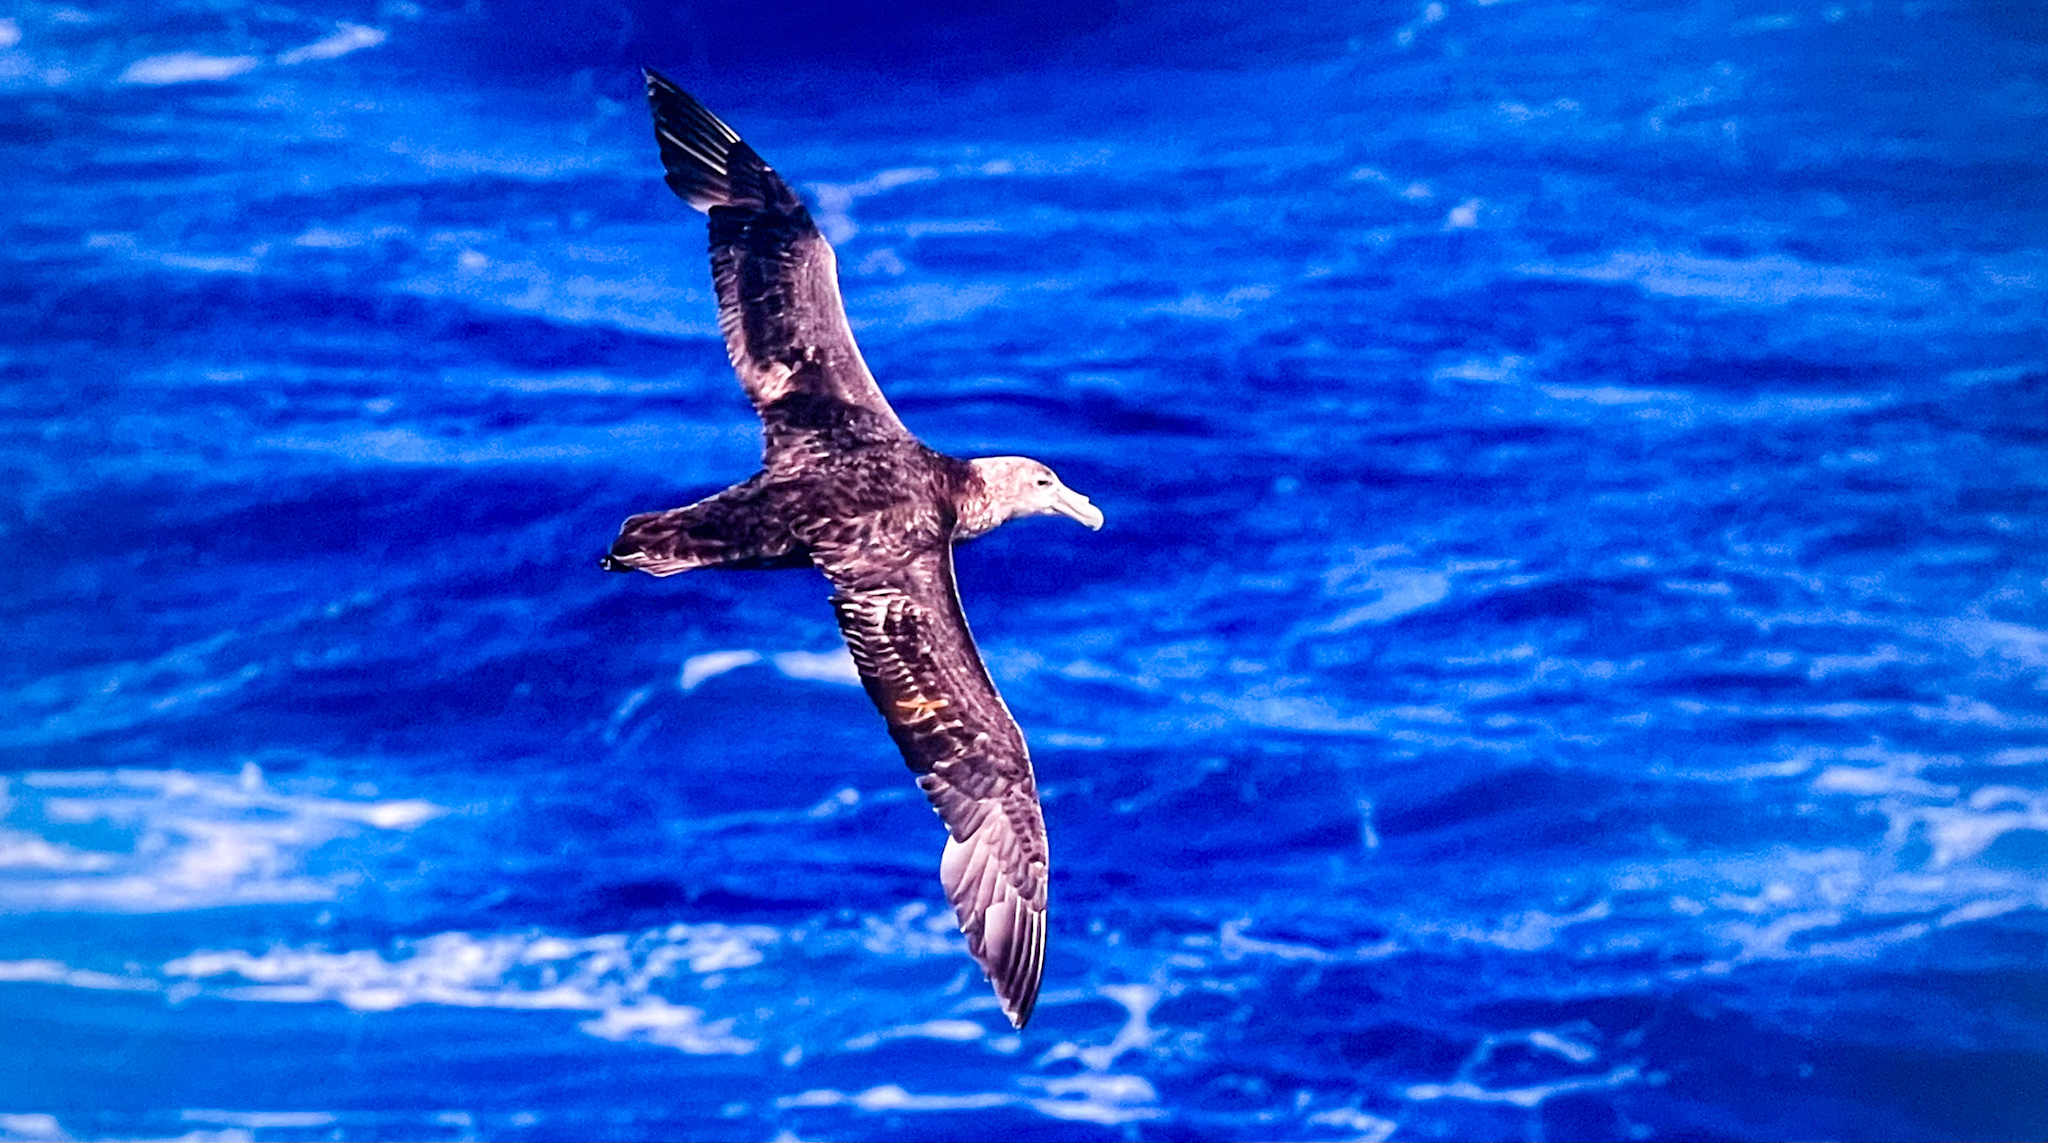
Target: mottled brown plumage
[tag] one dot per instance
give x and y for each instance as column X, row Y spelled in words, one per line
column 844, row 487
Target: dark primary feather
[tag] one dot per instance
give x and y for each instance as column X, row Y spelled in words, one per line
column 902, row 621
column 776, row 276
column 708, row 163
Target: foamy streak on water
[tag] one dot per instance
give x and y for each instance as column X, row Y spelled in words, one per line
column 615, row 976
column 200, row 67
column 833, row 666
column 197, row 840
column 1095, row 1095
column 1370, row 1128
column 31, row 1125
column 257, row 1120
column 186, row 67
column 620, row 979
column 1841, row 905
column 1478, row 1079
column 346, row 38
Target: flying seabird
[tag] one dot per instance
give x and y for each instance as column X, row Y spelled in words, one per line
column 845, row 488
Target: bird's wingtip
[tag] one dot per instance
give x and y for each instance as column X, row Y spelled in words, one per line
column 1021, row 1016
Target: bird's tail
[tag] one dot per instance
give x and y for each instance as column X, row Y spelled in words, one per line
column 734, row 529
column 708, row 163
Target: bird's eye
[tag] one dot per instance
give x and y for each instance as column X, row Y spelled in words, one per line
column 1044, row 482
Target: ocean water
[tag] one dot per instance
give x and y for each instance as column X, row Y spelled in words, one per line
column 1568, row 657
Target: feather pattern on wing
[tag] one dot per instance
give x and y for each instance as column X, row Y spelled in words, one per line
column 776, row 277
column 900, row 613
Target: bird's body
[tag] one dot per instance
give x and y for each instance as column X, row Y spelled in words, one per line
column 845, row 488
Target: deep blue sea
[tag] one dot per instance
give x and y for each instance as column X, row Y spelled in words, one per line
column 1568, row 657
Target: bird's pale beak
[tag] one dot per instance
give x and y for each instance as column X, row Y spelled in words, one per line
column 1075, row 506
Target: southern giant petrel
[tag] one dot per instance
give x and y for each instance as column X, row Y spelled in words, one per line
column 844, row 487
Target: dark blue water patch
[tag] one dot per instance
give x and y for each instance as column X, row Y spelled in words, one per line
column 1971, row 963
column 357, row 1081
column 636, row 904
column 482, row 200
column 264, row 319
column 1055, row 416
column 1393, row 1048
column 1820, row 1085
column 177, row 560
column 929, row 43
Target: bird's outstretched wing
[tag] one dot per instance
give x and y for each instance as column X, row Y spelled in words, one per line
column 778, row 285
column 909, row 638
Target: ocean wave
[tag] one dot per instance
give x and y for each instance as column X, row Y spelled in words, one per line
column 175, row 840
column 1768, row 280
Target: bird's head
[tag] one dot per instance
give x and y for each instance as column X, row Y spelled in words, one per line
column 1019, row 486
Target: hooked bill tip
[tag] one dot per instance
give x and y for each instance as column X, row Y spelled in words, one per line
column 1078, row 508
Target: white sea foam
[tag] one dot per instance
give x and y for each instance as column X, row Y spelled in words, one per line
column 1612, row 395
column 2026, row 647
column 1530, row 1096
column 1402, row 590
column 30, row 1125
column 1095, row 1095
column 1527, row 931
column 614, row 976
column 682, row 1027
column 579, row 286
column 955, row 1030
column 1959, row 833
column 1851, row 905
column 258, row 1120
column 45, row 971
column 915, row 930
column 1097, row 1098
column 1258, row 707
column 834, row 666
column 1870, row 780
column 1772, row 279
column 699, row 668
column 1235, row 945
column 194, row 840
column 1557, row 1050
column 1370, row 1128
column 1135, row 1034
column 346, row 38
column 1496, row 371
column 186, row 67
column 1398, row 588
column 835, row 200
column 19, row 850
column 925, row 303
column 1088, row 1097
column 1229, row 305
column 328, row 238
column 891, row 1097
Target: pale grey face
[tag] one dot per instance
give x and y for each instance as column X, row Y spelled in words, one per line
column 1028, row 488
